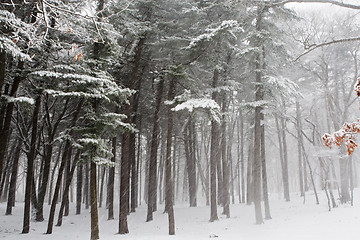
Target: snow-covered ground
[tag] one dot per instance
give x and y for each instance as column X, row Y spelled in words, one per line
column 291, row 220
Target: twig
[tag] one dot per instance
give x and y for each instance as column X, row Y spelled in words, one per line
column 45, row 19
column 327, row 44
column 337, row 3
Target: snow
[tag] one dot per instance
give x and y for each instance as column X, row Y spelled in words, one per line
column 195, row 103
column 291, row 220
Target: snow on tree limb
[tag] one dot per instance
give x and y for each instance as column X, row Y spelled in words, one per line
column 196, row 104
column 211, row 33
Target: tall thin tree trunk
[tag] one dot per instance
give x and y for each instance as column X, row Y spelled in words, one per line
column 94, row 209
column 249, row 174
column 190, row 163
column 169, row 180
column 57, row 187
column 79, row 185
column 242, row 159
column 31, row 158
column 111, row 181
column 299, row 138
column 153, row 154
column 14, row 172
column 124, row 185
column 68, row 180
column 214, row 154
column 264, row 173
column 225, row 163
column 259, row 96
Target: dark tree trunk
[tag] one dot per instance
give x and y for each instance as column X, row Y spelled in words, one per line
column 2, row 81
column 285, row 163
column 264, row 173
column 57, row 187
column 299, row 139
column 2, row 73
column 169, row 180
column 284, row 173
column 79, row 185
column 31, row 157
column 242, row 159
column 153, row 154
column 67, row 187
column 124, row 184
column 214, row 154
column 259, row 96
column 133, row 171
column 103, row 172
column 225, row 163
column 111, row 181
column 49, row 145
column 14, row 172
column 190, row 163
column 86, row 186
column 5, row 127
column 94, row 209
column 249, row 175
column 53, row 175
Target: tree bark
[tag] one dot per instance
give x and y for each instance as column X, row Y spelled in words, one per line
column 13, row 179
column 124, row 185
column 190, row 163
column 214, row 154
column 57, row 187
column 257, row 128
column 94, row 209
column 67, row 187
column 299, row 139
column 5, row 127
column 169, row 180
column 31, row 158
column 79, row 185
column 111, row 181
column 225, row 163
column 153, row 154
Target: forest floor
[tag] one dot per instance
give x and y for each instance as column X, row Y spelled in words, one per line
column 291, row 220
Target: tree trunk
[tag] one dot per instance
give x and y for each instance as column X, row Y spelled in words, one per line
column 153, row 154
column 103, row 172
column 259, row 96
column 264, row 173
column 68, row 180
column 79, row 185
column 225, row 163
column 242, row 159
column 214, row 154
column 13, row 179
column 86, row 186
column 169, row 180
column 5, row 127
column 249, row 175
column 190, row 163
column 299, row 139
column 285, row 166
column 31, row 157
column 124, row 184
column 93, row 198
column 57, row 187
column 111, row 181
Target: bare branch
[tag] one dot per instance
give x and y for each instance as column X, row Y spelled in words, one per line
column 337, row 3
column 312, row 48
